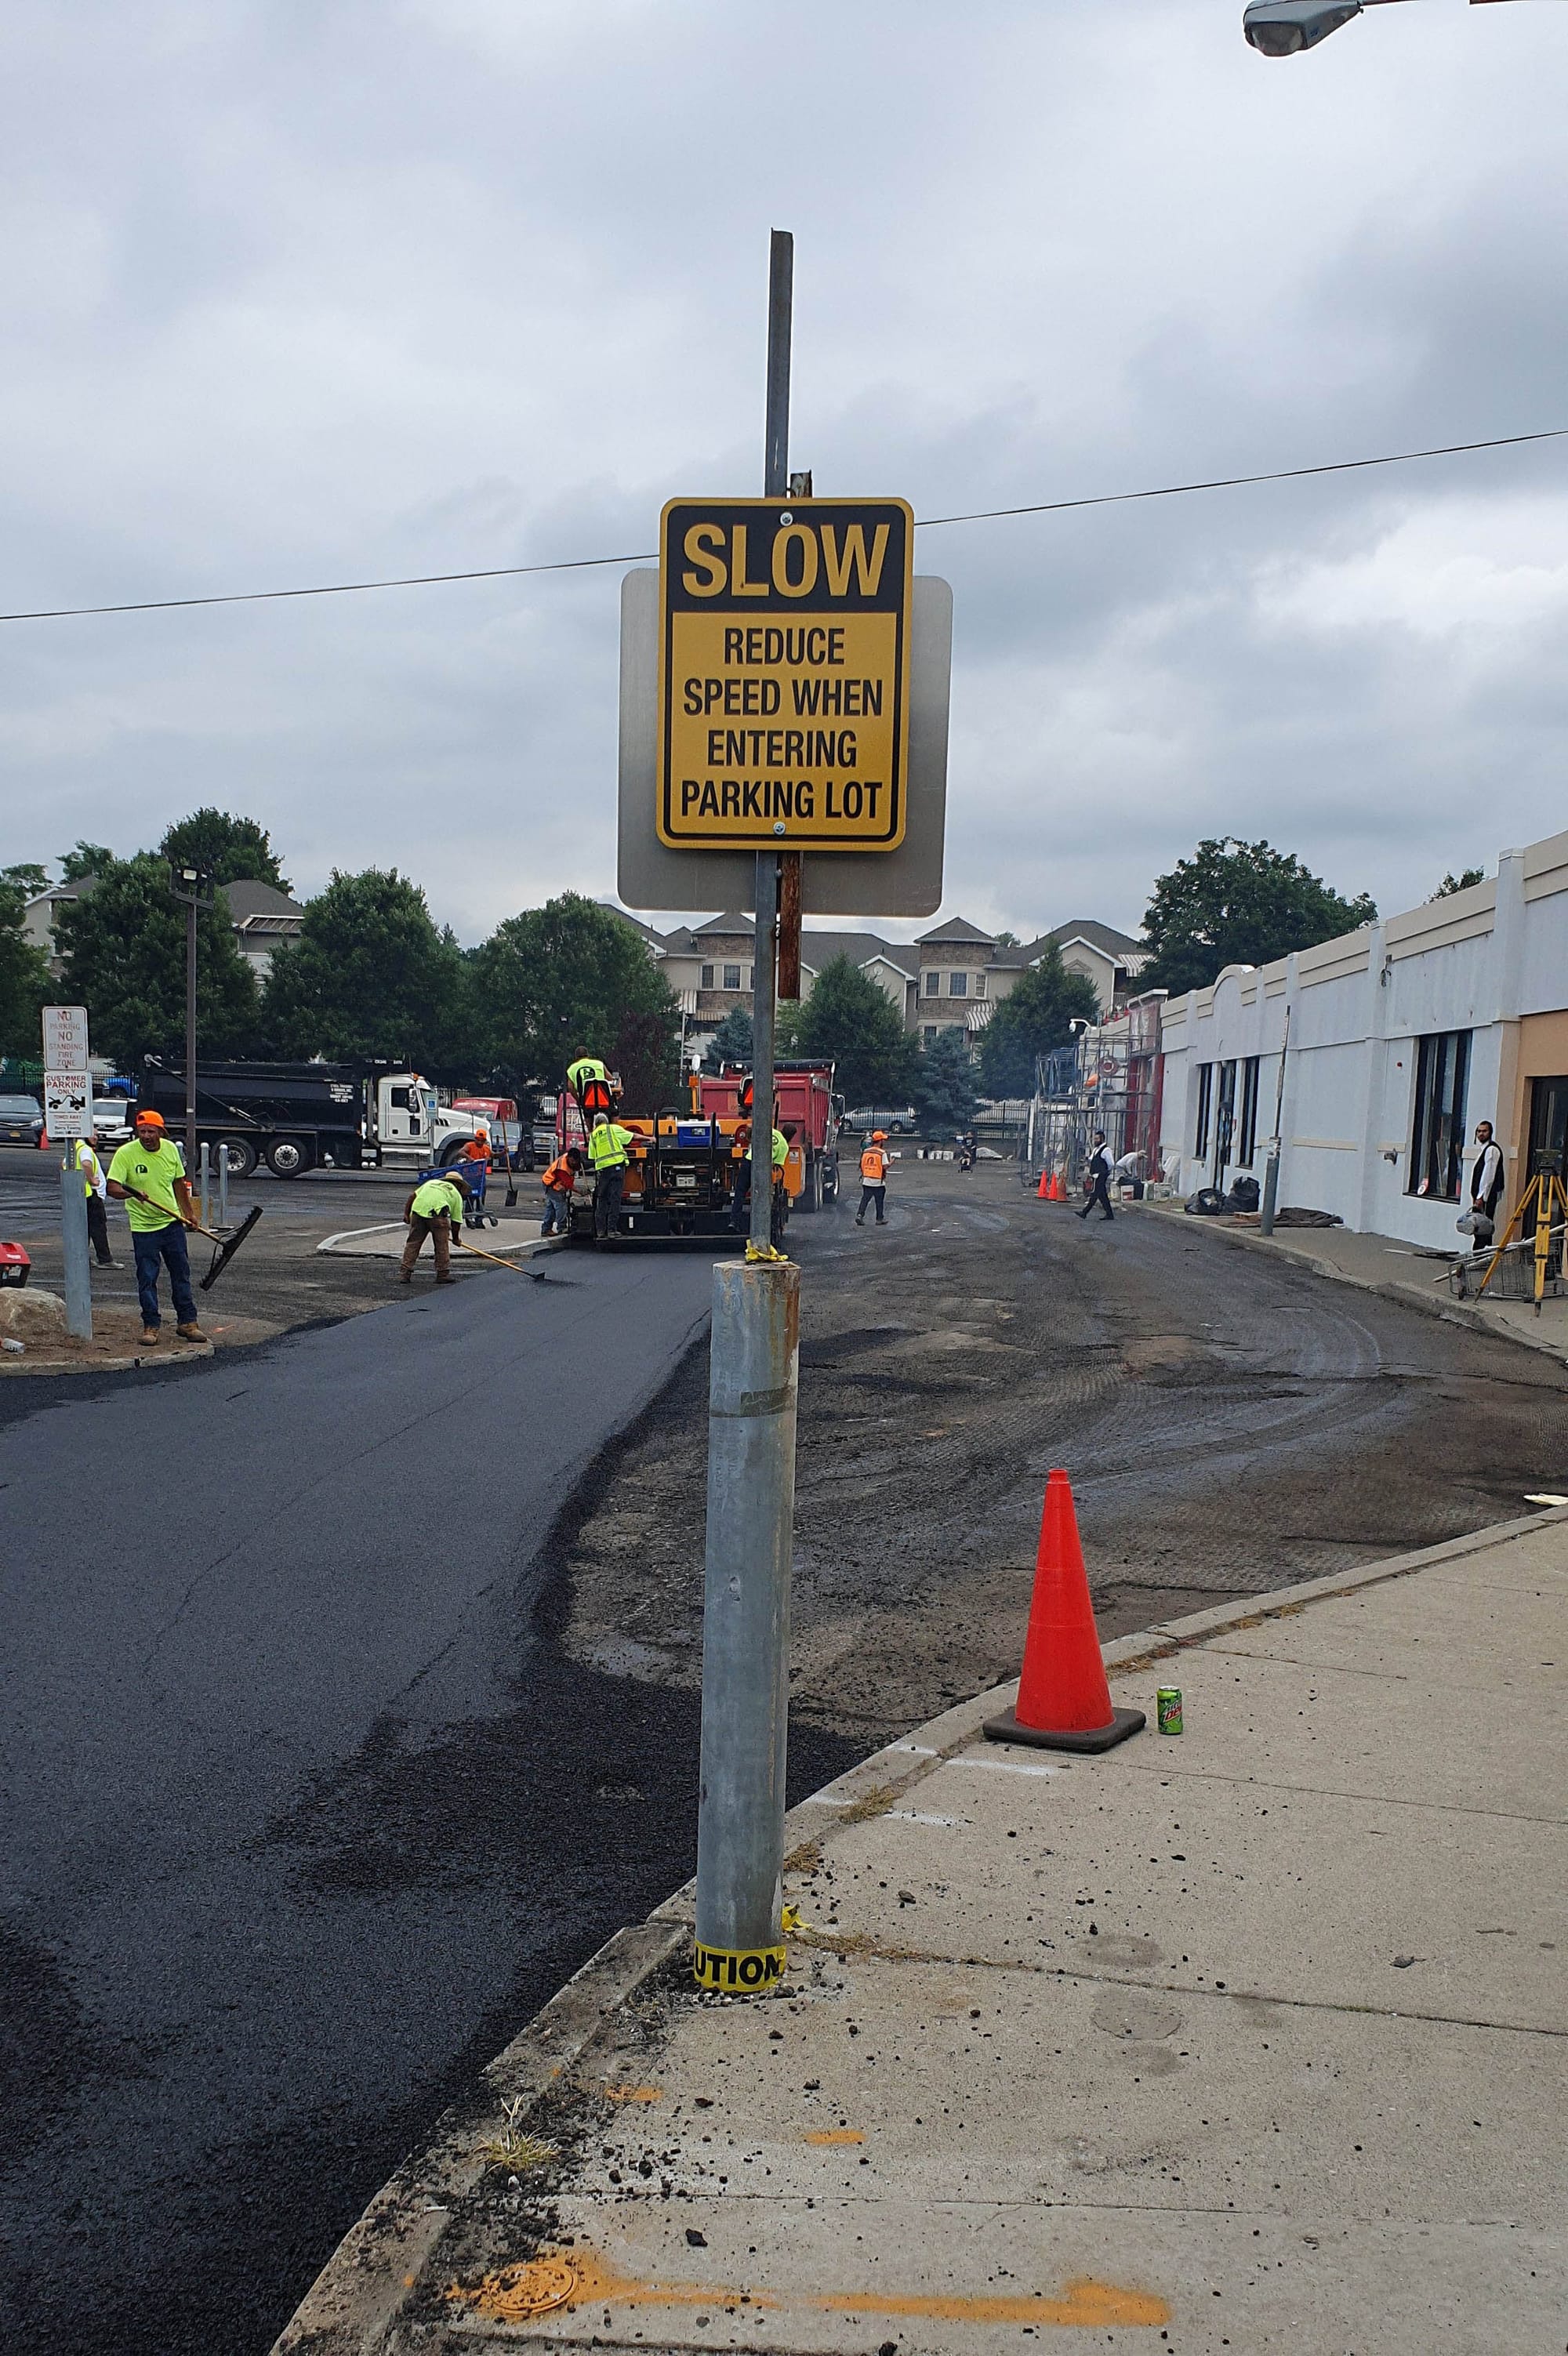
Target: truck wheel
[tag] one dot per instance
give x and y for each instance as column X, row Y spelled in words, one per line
column 240, row 1154
column 287, row 1156
column 810, row 1184
column 831, row 1185
column 452, row 1151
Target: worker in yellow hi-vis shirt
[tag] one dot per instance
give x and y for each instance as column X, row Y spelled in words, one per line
column 148, row 1177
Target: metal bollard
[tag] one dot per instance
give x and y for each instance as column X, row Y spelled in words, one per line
column 73, row 1239
column 221, row 1151
column 746, row 1624
column 1270, row 1191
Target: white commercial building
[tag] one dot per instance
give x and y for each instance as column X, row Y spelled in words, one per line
column 1402, row 1037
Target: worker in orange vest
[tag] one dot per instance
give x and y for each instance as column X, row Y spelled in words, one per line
column 559, row 1180
column 874, row 1178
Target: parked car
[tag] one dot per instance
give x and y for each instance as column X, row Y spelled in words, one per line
column 21, row 1119
column 895, row 1120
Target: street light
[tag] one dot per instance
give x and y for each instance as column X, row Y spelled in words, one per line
column 193, row 887
column 1278, row 28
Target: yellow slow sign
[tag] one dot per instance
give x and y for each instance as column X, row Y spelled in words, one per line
column 784, row 673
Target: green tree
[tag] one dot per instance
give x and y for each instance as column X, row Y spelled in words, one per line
column 945, row 1094
column 850, row 1018
column 1036, row 1015
column 566, row 980
column 24, row 970
column 229, row 849
column 123, row 952
column 26, row 877
column 370, row 974
column 1235, row 902
column 87, row 858
column 731, row 1042
column 1460, row 883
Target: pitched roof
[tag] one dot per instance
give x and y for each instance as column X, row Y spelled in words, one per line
column 249, row 898
column 734, row 920
column 957, row 928
column 1105, row 937
column 817, row 949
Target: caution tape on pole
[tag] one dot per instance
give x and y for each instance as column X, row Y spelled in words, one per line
column 737, row 1971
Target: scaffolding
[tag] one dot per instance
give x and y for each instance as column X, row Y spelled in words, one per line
column 1108, row 1078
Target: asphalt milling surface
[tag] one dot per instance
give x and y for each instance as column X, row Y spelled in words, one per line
column 351, row 1700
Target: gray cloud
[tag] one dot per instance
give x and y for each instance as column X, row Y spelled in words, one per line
column 293, row 294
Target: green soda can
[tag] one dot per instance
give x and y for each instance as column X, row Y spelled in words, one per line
column 1167, row 1709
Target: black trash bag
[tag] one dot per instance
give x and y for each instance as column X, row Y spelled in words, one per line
column 1243, row 1195
column 1206, row 1204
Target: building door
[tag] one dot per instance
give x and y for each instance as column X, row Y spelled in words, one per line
column 1549, row 1141
column 1224, row 1120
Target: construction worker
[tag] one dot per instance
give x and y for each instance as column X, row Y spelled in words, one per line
column 740, row 1191
column 148, row 1177
column 476, row 1160
column 559, row 1180
column 435, row 1209
column 93, row 1183
column 584, row 1069
column 780, row 1208
column 874, row 1178
column 608, row 1154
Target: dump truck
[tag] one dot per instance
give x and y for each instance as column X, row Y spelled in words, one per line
column 294, row 1117
column 809, row 1114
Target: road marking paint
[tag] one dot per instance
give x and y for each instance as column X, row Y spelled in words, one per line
column 1004, row 1767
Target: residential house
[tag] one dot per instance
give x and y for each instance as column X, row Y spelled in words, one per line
column 261, row 916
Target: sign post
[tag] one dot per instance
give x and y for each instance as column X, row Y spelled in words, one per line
column 68, row 1114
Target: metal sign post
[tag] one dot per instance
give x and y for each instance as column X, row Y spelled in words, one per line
column 68, row 1115
column 193, row 888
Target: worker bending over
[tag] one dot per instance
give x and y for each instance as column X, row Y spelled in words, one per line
column 874, row 1178
column 559, row 1180
column 148, row 1177
column 608, row 1153
column 435, row 1209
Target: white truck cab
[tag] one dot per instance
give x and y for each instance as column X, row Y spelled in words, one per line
column 413, row 1126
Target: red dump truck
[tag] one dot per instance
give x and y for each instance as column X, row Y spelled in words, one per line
column 808, row 1114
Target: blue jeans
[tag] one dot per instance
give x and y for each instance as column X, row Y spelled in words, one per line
column 167, row 1245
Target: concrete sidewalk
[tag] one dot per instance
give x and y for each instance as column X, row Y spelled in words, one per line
column 1252, row 2038
column 1402, row 1270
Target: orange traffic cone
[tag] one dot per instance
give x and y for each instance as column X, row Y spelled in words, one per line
column 1045, row 1195
column 1064, row 1702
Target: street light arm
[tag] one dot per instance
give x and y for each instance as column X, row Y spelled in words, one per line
column 1283, row 28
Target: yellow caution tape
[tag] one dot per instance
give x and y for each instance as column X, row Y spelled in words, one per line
column 790, row 1920
column 737, row 1971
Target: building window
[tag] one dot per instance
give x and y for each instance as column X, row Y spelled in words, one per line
column 980, row 985
column 1225, row 1117
column 957, row 985
column 933, row 985
column 929, row 1034
column 1247, row 1144
column 1437, row 1140
column 751, row 977
column 1205, row 1108
column 732, row 976
column 707, row 977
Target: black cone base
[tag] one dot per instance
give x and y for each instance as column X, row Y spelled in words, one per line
column 1123, row 1722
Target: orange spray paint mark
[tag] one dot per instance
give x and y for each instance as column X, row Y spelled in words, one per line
column 635, row 2093
column 838, row 2135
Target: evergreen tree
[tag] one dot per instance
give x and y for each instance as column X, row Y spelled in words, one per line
column 123, row 951
column 849, row 1017
column 1036, row 1015
column 731, row 1042
column 944, row 1085
column 370, row 975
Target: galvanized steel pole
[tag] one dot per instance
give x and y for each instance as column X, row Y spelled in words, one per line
column 754, row 1366
column 73, row 1240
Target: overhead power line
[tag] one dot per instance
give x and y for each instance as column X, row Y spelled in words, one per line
column 926, row 523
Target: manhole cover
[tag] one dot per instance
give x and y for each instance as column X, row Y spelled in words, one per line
column 517, row 2293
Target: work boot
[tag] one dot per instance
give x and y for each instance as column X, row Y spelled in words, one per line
column 149, row 1334
column 445, row 1280
column 190, row 1332
column 405, row 1280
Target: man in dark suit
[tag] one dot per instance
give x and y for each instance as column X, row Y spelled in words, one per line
column 1100, row 1171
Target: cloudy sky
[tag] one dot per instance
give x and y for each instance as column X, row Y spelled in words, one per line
column 314, row 292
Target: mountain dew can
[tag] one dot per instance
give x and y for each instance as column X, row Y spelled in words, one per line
column 1167, row 1709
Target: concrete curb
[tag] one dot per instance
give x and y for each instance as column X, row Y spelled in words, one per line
column 188, row 1353
column 1455, row 1312
column 354, row 2302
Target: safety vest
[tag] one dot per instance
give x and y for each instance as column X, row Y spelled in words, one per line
column 87, row 1163
column 780, row 1149
column 607, row 1144
column 587, row 1068
column 435, row 1196
column 874, row 1166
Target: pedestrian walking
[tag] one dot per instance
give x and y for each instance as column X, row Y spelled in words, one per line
column 1100, row 1172
column 435, row 1209
column 1486, row 1180
column 149, row 1176
column 94, row 1184
column 874, row 1178
column 608, row 1154
column 559, row 1180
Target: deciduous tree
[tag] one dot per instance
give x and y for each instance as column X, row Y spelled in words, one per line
column 1235, row 902
column 569, row 979
column 123, row 951
column 229, row 849
column 24, row 983
column 850, row 1018
column 370, row 974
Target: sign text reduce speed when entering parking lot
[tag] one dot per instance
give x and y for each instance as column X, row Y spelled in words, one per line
column 784, row 673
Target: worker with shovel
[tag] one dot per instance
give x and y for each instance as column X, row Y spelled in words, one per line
column 436, row 1209
column 148, row 1177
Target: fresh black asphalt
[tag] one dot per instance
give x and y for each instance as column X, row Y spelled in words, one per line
column 304, row 1810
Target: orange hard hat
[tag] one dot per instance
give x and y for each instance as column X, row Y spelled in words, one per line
column 148, row 1117
column 879, row 1137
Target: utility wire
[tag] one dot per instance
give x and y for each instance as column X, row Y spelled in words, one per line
column 928, row 523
